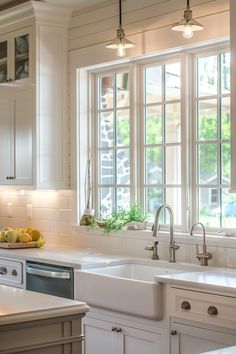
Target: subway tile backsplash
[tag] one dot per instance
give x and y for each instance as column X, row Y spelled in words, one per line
column 51, row 210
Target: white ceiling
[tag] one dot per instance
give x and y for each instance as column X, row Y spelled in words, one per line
column 73, row 4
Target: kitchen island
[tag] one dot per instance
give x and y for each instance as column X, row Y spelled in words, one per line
column 33, row 323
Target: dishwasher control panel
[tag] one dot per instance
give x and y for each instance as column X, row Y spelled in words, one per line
column 11, row 272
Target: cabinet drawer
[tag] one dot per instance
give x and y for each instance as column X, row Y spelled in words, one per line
column 203, row 307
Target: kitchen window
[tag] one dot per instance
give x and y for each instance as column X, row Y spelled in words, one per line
column 162, row 135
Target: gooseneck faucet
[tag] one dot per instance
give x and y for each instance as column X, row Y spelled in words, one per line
column 172, row 245
column 203, row 256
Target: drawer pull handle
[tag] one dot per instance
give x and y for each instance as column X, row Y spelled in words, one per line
column 185, row 305
column 173, row 333
column 14, row 272
column 113, row 328
column 3, row 270
column 212, row 310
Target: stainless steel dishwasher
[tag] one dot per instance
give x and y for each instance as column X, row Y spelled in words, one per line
column 50, row 279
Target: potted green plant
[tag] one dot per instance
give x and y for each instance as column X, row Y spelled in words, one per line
column 136, row 218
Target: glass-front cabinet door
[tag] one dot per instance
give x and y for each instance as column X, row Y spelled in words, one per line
column 15, row 57
column 3, row 61
column 21, row 57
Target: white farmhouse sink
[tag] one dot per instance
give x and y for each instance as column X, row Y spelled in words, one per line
column 129, row 287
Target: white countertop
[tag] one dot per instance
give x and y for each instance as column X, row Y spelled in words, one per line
column 228, row 350
column 18, row 305
column 72, row 257
column 219, row 279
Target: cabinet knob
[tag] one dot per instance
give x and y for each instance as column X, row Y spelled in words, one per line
column 116, row 329
column 212, row 310
column 173, row 332
column 185, row 305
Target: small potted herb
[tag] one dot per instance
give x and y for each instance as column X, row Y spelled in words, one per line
column 136, row 218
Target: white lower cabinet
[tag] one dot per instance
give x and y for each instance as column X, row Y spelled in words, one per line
column 193, row 339
column 201, row 321
column 103, row 337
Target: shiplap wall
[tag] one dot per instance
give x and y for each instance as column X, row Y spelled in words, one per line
column 97, row 24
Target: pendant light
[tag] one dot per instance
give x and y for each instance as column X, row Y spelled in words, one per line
column 187, row 25
column 120, row 43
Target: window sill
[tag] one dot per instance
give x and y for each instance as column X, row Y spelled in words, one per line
column 183, row 238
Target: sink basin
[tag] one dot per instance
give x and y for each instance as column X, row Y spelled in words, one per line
column 128, row 287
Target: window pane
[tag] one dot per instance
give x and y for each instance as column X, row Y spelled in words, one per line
column 207, row 155
column 173, row 198
column 207, row 120
column 123, row 166
column 107, row 167
column 154, row 125
column 207, row 76
column 123, row 128
column 123, row 197
column 106, row 201
column 154, row 165
column 106, row 129
column 225, row 118
column 225, row 161
column 172, row 81
column 209, row 207
column 154, row 199
column 225, row 72
column 228, row 209
column 153, row 84
column 173, row 123
column 173, row 165
column 122, row 90
column 106, row 92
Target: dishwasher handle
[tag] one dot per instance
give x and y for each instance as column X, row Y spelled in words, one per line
column 48, row 273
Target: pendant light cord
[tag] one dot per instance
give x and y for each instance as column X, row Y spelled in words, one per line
column 120, row 19
column 188, row 3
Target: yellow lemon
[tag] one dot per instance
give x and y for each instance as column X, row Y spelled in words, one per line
column 25, row 238
column 35, row 234
column 29, row 229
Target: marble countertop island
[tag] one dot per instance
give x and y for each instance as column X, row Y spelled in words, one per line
column 18, row 305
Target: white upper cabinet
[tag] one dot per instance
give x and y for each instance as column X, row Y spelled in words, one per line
column 16, row 57
column 16, row 140
column 33, row 96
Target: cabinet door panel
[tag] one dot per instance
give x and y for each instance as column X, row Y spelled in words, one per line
column 5, row 138
column 195, row 340
column 99, row 338
column 23, row 117
column 140, row 342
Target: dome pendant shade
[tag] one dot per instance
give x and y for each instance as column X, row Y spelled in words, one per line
column 120, row 43
column 187, row 25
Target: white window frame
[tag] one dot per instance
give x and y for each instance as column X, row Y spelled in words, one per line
column 215, row 50
column 188, row 167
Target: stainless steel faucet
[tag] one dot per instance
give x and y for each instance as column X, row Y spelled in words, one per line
column 172, row 245
column 202, row 256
